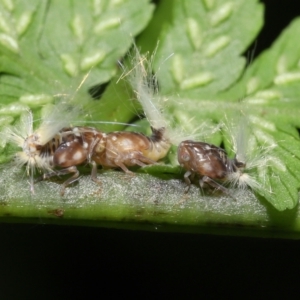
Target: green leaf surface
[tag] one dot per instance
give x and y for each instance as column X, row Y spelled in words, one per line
column 201, row 36
column 48, row 47
column 62, row 42
column 142, row 202
column 269, row 86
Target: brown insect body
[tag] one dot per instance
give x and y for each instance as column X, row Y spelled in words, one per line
column 207, row 161
column 125, row 149
column 68, row 147
column 75, row 148
column 116, row 149
column 46, row 152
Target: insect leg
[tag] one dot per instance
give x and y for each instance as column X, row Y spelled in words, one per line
column 214, row 184
column 94, row 173
column 120, row 164
column 140, row 160
column 187, row 180
column 70, row 180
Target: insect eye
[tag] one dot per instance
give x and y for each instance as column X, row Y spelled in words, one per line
column 185, row 157
column 240, row 164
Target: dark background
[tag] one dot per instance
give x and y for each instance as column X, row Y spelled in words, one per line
column 52, row 262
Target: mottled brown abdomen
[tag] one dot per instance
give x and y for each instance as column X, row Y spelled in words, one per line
column 203, row 159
